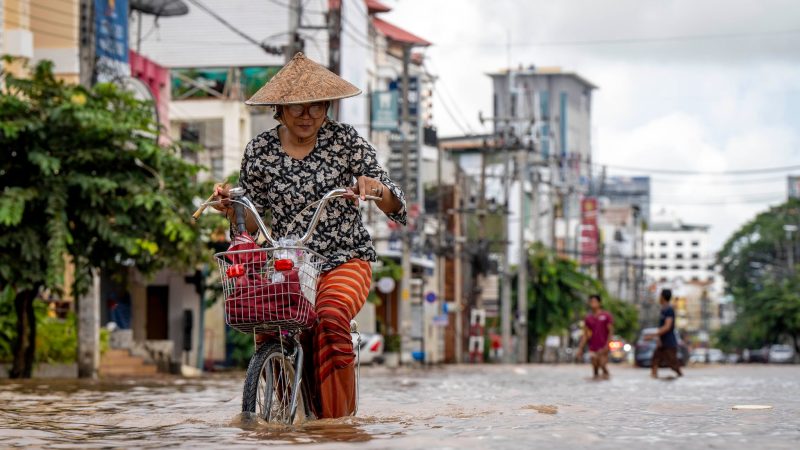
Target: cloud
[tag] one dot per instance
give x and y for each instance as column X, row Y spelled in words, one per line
column 713, row 104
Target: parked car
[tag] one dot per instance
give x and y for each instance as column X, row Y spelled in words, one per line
column 707, row 356
column 643, row 355
column 698, row 356
column 781, row 354
column 716, row 356
column 756, row 355
column 733, row 358
column 371, row 348
column 618, row 350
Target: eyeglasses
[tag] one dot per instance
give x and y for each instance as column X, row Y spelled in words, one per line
column 315, row 110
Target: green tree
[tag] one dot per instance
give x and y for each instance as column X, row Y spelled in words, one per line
column 83, row 176
column 557, row 296
column 755, row 262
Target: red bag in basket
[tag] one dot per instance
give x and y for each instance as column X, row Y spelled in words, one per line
column 244, row 241
column 256, row 299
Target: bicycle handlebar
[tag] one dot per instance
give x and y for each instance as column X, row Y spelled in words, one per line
column 240, row 201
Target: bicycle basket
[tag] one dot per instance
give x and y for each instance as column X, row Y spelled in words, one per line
column 265, row 293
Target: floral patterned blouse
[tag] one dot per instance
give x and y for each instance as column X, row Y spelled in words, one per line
column 274, row 180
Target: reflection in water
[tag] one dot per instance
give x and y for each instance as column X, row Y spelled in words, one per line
column 454, row 407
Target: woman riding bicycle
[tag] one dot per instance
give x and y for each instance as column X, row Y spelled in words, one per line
column 296, row 163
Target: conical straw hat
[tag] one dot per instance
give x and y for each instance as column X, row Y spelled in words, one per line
column 302, row 81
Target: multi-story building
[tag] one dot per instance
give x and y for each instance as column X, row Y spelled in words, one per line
column 547, row 111
column 675, row 250
column 624, row 211
column 678, row 257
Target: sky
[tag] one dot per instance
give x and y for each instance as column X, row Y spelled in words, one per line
column 707, row 86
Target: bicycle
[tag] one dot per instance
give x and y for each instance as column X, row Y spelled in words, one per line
column 272, row 290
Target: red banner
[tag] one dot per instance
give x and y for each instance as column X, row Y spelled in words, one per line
column 590, row 235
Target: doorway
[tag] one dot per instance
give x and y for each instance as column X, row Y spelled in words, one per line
column 157, row 312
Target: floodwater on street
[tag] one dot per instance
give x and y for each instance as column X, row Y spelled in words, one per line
column 464, row 407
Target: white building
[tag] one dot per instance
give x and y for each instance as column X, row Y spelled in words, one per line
column 675, row 250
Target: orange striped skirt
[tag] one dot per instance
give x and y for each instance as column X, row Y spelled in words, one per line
column 330, row 361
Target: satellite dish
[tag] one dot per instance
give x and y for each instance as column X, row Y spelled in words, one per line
column 141, row 91
column 160, row 8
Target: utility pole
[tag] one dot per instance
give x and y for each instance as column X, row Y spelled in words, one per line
column 86, row 43
column 405, row 263
column 505, row 296
column 88, row 305
column 522, row 264
column 295, row 43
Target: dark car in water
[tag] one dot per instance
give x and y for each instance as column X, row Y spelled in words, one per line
column 643, row 352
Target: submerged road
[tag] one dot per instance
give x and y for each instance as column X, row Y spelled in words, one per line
column 458, row 407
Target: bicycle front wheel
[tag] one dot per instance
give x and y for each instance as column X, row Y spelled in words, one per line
column 271, row 388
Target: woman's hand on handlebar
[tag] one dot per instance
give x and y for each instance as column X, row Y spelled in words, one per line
column 222, row 193
column 368, row 186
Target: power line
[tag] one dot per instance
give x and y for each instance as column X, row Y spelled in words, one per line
column 627, row 41
column 451, row 99
column 691, row 172
column 288, row 6
column 717, row 181
column 449, row 113
column 722, row 203
column 267, row 48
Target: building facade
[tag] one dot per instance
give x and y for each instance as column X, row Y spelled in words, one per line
column 678, row 256
column 675, row 250
column 548, row 112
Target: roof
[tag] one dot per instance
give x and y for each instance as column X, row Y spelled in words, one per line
column 373, row 6
column 670, row 226
column 398, row 34
column 544, row 71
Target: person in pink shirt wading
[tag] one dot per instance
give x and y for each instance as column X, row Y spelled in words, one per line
column 598, row 327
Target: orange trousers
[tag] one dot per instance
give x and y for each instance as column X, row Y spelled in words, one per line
column 329, row 369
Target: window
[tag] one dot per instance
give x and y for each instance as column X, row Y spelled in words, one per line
column 663, row 243
column 679, row 244
column 651, row 244
column 663, row 267
column 695, row 255
column 711, row 279
column 695, row 267
column 651, row 267
column 651, row 256
column 679, row 256
column 679, row 267
column 695, row 244
column 663, row 279
column 663, row 256
column 694, row 278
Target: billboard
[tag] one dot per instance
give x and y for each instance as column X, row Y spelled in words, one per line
column 589, row 235
column 111, row 40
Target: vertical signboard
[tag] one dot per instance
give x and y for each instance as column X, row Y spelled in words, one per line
column 111, row 40
column 384, row 110
column 589, row 236
column 413, row 138
column 794, row 186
